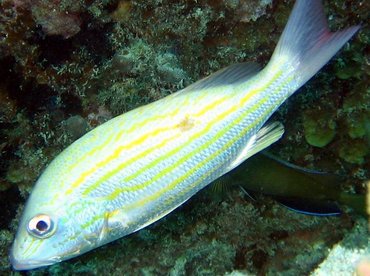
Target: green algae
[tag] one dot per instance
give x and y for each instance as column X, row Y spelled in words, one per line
column 6, row 238
column 358, row 125
column 319, row 128
column 354, row 152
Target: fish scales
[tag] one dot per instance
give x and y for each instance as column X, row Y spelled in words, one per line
column 121, row 173
column 167, row 175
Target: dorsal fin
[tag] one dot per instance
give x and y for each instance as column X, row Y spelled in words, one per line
column 233, row 74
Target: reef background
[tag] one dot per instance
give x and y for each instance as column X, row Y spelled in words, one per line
column 68, row 66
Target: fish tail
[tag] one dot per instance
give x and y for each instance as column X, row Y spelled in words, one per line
column 354, row 201
column 307, row 44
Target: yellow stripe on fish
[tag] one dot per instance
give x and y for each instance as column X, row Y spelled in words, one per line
column 153, row 197
column 118, row 191
column 195, row 117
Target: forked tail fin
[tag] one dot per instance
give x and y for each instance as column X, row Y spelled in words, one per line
column 307, row 44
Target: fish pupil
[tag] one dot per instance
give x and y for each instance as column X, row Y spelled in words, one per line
column 41, row 226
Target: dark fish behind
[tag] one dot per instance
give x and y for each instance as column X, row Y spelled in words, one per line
column 303, row 190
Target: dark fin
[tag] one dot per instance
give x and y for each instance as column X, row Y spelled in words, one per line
column 326, row 178
column 221, row 185
column 354, row 201
column 307, row 44
column 290, row 165
column 248, row 194
column 233, row 74
column 310, row 206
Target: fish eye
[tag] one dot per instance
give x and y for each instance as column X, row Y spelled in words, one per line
column 41, row 226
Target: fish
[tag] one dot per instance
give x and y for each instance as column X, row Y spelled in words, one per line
column 302, row 190
column 138, row 167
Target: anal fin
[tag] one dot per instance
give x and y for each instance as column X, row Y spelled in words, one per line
column 311, row 207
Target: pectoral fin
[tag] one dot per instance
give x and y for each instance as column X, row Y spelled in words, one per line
column 266, row 136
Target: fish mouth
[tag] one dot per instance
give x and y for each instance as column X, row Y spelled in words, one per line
column 28, row 264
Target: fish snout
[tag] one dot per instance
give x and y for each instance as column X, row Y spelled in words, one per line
column 19, row 262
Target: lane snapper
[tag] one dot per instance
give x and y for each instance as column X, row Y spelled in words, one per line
column 136, row 168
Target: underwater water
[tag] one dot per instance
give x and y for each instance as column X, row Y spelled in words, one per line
column 67, row 67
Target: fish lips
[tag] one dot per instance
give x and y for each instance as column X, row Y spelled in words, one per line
column 28, row 264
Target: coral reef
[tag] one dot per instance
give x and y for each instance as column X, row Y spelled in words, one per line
column 347, row 254
column 68, row 66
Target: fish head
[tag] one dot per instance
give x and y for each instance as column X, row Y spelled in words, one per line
column 53, row 229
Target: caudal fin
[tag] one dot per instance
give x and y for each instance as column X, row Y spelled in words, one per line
column 354, row 201
column 307, row 44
